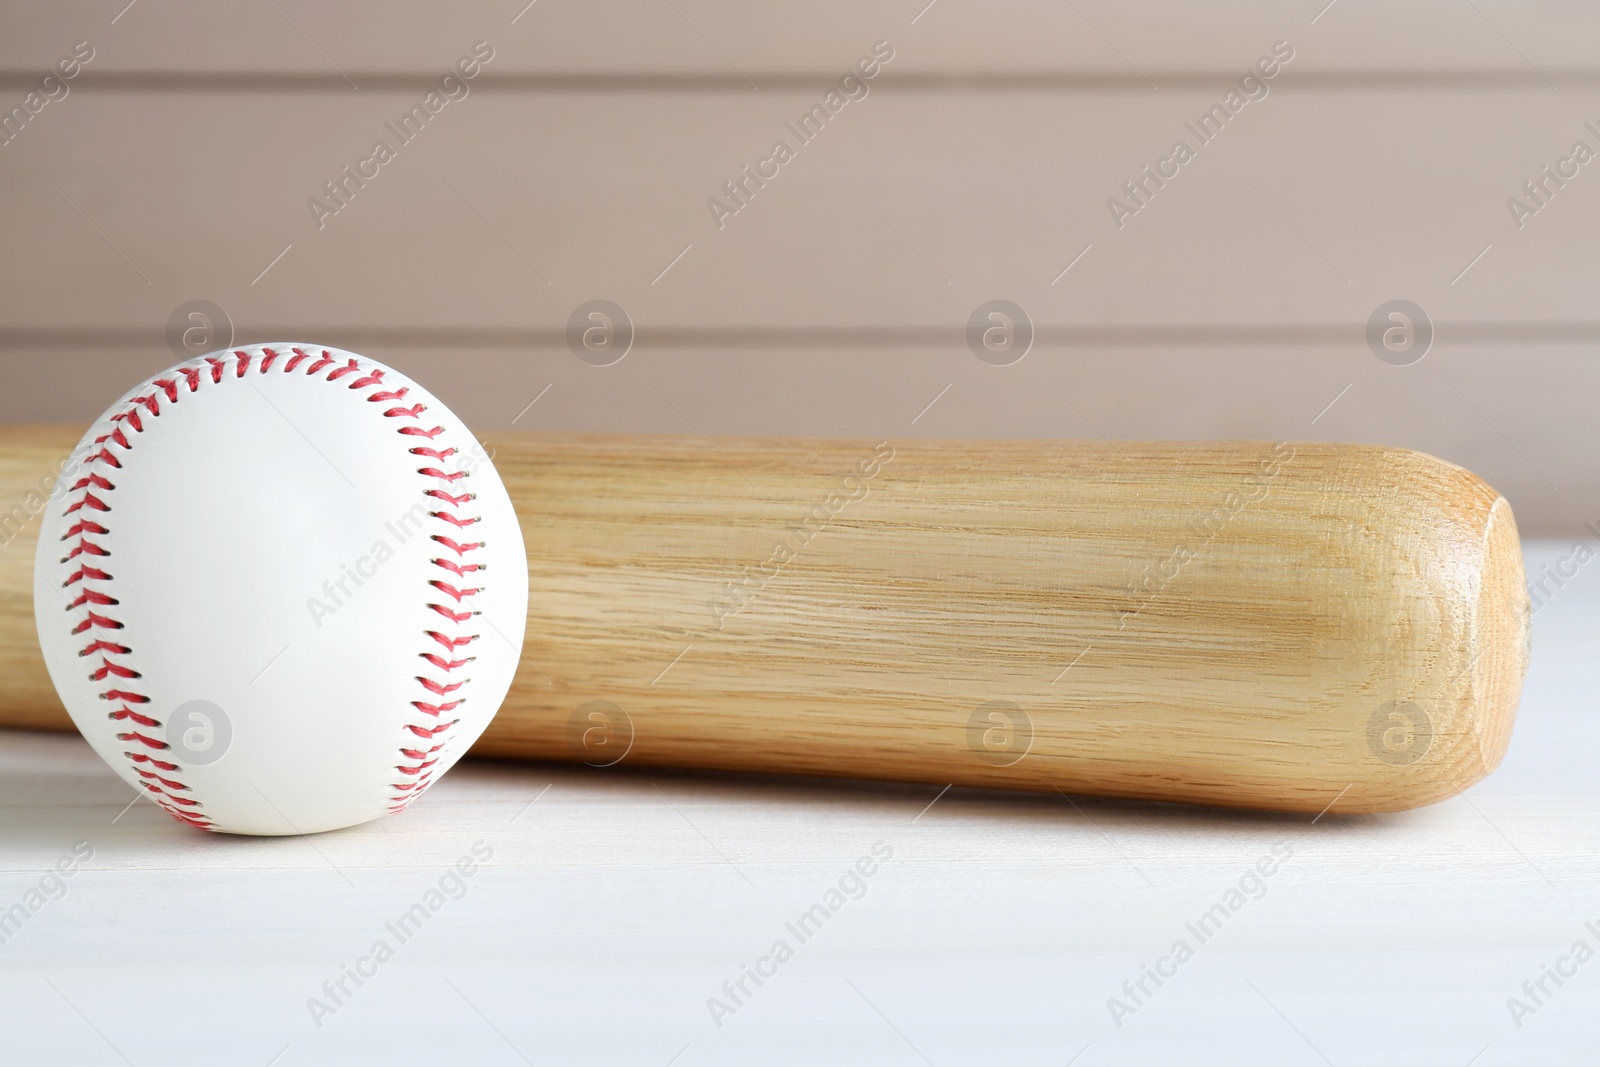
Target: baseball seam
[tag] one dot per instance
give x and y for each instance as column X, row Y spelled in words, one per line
column 162, row 778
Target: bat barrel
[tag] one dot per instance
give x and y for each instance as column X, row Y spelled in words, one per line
column 1247, row 624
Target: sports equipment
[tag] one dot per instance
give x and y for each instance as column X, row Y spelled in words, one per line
column 263, row 589
column 1284, row 626
column 1262, row 625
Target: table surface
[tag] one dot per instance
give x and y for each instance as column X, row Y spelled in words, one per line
column 610, row 915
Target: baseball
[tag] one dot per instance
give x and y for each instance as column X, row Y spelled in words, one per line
column 280, row 589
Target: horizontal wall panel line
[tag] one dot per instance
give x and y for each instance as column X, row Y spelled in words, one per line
column 288, row 82
column 1173, row 335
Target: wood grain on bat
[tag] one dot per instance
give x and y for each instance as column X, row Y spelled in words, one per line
column 1248, row 624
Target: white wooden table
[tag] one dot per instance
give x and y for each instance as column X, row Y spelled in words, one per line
column 614, row 904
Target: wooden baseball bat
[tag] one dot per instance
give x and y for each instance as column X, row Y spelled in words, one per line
column 1281, row 626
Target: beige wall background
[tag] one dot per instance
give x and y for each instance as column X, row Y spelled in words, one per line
column 178, row 164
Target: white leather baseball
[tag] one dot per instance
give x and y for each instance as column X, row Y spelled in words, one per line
column 281, row 589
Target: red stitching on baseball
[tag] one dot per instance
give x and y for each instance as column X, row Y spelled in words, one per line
column 423, row 731
column 108, row 669
column 168, row 782
column 450, row 642
column 140, row 757
column 192, row 376
column 453, row 616
column 451, row 591
column 455, row 546
column 459, row 524
column 101, row 621
column 446, row 664
column 86, row 571
column 91, row 479
column 418, row 769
